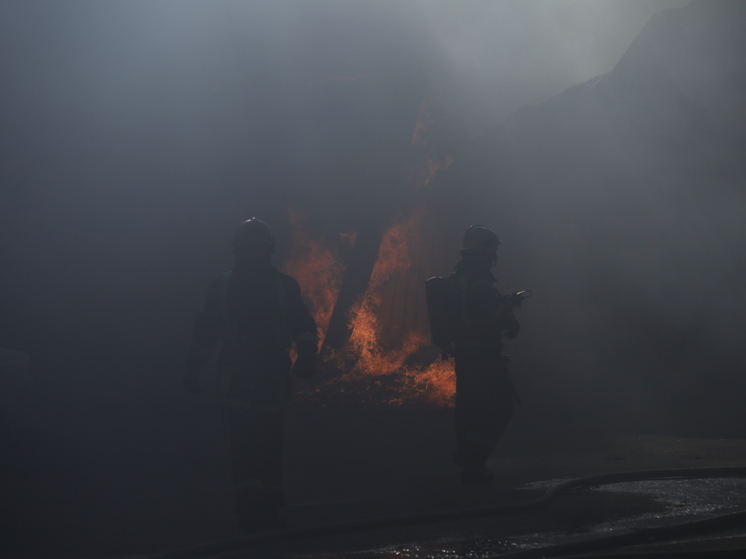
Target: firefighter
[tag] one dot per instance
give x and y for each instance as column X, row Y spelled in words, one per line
column 485, row 395
column 258, row 315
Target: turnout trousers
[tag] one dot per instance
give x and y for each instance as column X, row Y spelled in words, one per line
column 255, row 443
column 485, row 398
column 253, row 390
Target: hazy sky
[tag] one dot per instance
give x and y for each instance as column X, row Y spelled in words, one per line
column 513, row 52
column 130, row 130
column 499, row 54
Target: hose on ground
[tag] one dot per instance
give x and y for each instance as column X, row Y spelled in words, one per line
column 718, row 523
column 248, row 541
column 693, row 554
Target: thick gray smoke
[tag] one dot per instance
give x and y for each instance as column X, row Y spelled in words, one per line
column 506, row 54
column 137, row 134
column 626, row 196
column 602, row 139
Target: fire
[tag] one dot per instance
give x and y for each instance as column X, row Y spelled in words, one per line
column 371, row 352
column 317, row 268
column 435, row 382
column 388, row 351
column 366, row 334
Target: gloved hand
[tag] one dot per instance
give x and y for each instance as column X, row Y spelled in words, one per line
column 190, row 380
column 305, row 365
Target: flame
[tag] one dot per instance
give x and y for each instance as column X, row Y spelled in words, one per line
column 317, row 268
column 365, row 331
column 435, row 382
column 390, row 368
column 388, row 355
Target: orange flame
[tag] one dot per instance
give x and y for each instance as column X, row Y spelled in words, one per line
column 388, row 339
column 317, row 268
column 434, row 382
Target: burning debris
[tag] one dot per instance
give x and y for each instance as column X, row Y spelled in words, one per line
column 317, row 267
column 371, row 313
column 387, row 357
column 386, row 344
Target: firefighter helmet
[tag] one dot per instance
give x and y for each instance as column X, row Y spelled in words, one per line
column 252, row 231
column 478, row 239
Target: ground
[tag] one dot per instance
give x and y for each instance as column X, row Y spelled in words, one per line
column 343, row 463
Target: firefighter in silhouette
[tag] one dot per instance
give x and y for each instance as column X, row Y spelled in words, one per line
column 258, row 315
column 485, row 394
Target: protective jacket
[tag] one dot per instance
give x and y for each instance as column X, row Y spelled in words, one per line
column 257, row 315
column 485, row 395
column 482, row 314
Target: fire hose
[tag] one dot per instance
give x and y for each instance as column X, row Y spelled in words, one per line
column 717, row 523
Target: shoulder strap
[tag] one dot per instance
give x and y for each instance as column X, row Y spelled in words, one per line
column 460, row 283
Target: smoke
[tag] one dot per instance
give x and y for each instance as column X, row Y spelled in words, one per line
column 506, row 54
column 605, row 150
column 137, row 134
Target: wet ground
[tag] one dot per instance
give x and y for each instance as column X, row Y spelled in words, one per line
column 614, row 509
column 170, row 489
